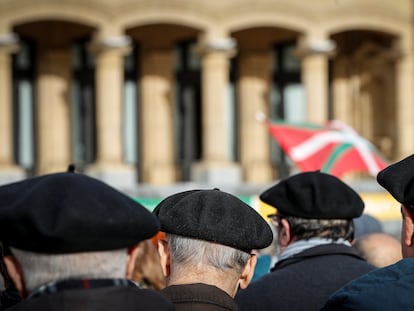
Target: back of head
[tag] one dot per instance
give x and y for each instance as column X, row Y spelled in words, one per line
column 316, row 205
column 214, row 216
column 39, row 269
column 314, row 195
column 379, row 249
column 69, row 213
column 210, row 235
column 398, row 180
column 69, row 225
column 209, row 258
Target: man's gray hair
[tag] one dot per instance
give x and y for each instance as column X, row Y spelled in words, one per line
column 334, row 229
column 39, row 269
column 189, row 251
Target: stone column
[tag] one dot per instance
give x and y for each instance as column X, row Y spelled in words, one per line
column 341, row 90
column 53, row 113
column 157, row 115
column 315, row 52
column 8, row 170
column 253, row 95
column 405, row 98
column 215, row 166
column 109, row 54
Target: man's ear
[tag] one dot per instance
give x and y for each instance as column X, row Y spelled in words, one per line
column 408, row 227
column 248, row 272
column 164, row 253
column 15, row 271
column 285, row 237
column 131, row 261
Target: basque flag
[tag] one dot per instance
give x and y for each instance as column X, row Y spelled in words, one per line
column 335, row 148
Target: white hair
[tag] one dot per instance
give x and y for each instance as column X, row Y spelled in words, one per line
column 39, row 269
column 187, row 251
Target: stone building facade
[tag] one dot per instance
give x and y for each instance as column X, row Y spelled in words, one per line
column 160, row 92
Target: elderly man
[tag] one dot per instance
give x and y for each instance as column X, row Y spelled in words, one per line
column 207, row 253
column 314, row 213
column 392, row 287
column 73, row 241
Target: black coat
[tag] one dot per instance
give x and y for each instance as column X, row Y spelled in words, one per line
column 305, row 280
column 199, row 297
column 94, row 299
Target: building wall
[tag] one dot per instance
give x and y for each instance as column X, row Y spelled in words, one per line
column 366, row 81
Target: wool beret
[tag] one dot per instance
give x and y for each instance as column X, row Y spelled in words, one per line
column 398, row 180
column 214, row 216
column 70, row 213
column 314, row 195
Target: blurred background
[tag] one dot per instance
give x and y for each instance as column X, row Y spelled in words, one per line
column 153, row 96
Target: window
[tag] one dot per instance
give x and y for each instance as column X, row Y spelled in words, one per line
column 188, row 134
column 83, row 109
column 24, row 106
column 130, row 108
column 287, row 97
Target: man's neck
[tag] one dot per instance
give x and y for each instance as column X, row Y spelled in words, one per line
column 224, row 281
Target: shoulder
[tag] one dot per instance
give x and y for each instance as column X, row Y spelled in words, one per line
column 377, row 290
column 268, row 287
column 329, row 257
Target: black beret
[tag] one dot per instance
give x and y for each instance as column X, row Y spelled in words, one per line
column 69, row 213
column 314, row 195
column 398, row 180
column 214, row 216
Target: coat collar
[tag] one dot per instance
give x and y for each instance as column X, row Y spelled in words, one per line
column 320, row 250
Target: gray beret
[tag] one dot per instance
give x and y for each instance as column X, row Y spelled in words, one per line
column 69, row 213
column 215, row 216
column 398, row 180
column 314, row 195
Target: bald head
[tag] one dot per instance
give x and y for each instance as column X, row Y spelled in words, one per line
column 379, row 249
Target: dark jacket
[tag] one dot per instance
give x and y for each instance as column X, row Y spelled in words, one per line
column 305, row 280
column 388, row 288
column 94, row 299
column 199, row 297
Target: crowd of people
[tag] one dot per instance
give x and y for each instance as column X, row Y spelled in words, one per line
column 72, row 242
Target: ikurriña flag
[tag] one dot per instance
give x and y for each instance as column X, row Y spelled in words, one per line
column 334, row 148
